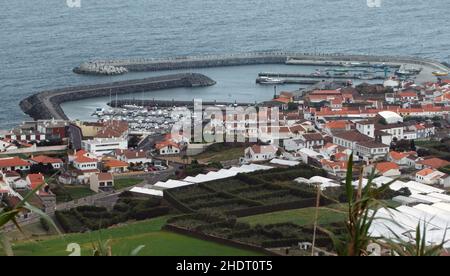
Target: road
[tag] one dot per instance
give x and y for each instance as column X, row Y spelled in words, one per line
column 75, row 137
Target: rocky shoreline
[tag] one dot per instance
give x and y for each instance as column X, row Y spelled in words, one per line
column 47, row 104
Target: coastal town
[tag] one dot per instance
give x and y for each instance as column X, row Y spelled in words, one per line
column 398, row 130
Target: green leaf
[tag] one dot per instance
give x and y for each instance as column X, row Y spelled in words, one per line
column 136, row 251
column 43, row 216
column 4, row 243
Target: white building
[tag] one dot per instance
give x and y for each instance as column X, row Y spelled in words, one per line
column 257, row 153
column 391, row 117
column 102, row 146
column 101, row 182
column 293, row 144
column 371, row 150
column 168, row 148
column 84, row 163
column 367, row 128
column 131, row 156
column 430, row 176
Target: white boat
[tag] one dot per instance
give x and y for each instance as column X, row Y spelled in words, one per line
column 267, row 80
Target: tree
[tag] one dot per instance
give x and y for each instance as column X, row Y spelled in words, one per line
column 413, row 145
column 185, row 159
column 292, row 106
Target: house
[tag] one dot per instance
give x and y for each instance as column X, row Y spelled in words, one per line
column 371, row 150
column 429, row 176
column 258, row 153
column 337, row 168
column 6, row 145
column 401, row 158
column 395, row 130
column 102, row 146
column 349, row 139
column 35, row 180
column 84, row 162
column 383, row 137
column 432, row 163
column 13, row 164
column 424, row 130
column 366, row 127
column 309, row 156
column 336, row 126
column 115, row 166
column 167, row 148
column 408, row 96
column 293, row 144
column 14, row 180
column 389, row 169
column 445, row 181
column 56, row 163
column 131, row 156
column 330, row 149
column 101, row 182
column 312, row 140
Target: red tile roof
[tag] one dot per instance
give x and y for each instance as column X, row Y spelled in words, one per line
column 336, row 124
column 13, row 162
column 425, row 172
column 105, row 177
column 434, row 163
column 115, row 164
column 131, row 154
column 84, row 159
column 46, row 160
column 164, row 144
column 282, row 100
column 384, row 167
column 264, row 149
column 35, row 180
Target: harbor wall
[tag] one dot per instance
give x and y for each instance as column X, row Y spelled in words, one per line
column 47, row 104
column 140, row 65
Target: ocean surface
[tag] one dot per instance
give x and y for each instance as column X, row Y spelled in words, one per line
column 42, row 40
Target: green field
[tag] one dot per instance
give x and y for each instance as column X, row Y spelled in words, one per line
column 225, row 154
column 302, row 217
column 122, row 183
column 77, row 192
column 126, row 238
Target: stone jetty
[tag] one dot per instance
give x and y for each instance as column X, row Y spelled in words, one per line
column 47, row 104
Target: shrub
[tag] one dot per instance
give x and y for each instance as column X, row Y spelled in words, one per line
column 44, row 224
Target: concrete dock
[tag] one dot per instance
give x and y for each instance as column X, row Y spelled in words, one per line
column 313, row 76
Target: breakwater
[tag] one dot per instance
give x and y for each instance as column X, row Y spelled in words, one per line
column 47, row 104
column 186, row 62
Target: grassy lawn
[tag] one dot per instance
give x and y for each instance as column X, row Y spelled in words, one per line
column 79, row 191
column 426, row 143
column 69, row 192
column 126, row 238
column 225, row 154
column 126, row 182
column 302, row 217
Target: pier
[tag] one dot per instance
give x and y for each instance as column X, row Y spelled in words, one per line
column 302, row 81
column 47, row 104
column 321, row 76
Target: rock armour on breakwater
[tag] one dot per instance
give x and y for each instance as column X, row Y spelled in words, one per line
column 47, row 104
